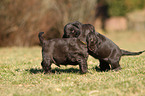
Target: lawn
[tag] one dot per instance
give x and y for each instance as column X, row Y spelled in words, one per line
column 21, row 73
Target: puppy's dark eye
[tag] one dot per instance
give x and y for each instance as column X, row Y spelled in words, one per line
column 71, row 29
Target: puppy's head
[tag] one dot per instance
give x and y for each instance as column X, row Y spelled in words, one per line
column 72, row 30
column 92, row 41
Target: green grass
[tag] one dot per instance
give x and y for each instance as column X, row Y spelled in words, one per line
column 21, row 74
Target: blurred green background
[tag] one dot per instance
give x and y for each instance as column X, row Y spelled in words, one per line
column 22, row 20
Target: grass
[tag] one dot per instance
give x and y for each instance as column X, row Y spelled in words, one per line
column 21, row 73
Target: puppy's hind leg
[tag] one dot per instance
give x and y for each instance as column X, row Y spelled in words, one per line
column 115, row 66
column 104, row 66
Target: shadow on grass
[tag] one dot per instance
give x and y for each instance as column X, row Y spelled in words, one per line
column 56, row 70
column 97, row 69
column 70, row 70
column 34, row 70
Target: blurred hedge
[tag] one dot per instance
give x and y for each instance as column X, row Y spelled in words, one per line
column 121, row 7
column 21, row 20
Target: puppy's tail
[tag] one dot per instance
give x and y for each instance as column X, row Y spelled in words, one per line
column 124, row 52
column 41, row 37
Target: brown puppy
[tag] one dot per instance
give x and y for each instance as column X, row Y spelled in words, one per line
column 98, row 45
column 63, row 52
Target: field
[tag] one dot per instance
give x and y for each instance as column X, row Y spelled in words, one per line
column 21, row 73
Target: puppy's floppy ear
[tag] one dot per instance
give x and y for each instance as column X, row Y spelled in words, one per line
column 98, row 42
column 64, row 36
column 92, row 28
column 65, row 31
column 91, row 42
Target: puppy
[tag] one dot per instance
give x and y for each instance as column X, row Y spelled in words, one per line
column 98, row 45
column 63, row 51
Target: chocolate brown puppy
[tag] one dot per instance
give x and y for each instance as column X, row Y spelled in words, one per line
column 98, row 45
column 63, row 51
